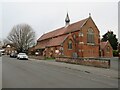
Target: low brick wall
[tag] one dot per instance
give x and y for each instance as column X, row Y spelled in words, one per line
column 37, row 57
column 96, row 62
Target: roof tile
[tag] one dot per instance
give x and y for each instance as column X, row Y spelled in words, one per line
column 51, row 42
column 103, row 44
column 63, row 30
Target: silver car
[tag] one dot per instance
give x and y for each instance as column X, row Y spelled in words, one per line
column 22, row 56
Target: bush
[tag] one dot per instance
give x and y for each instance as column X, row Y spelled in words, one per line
column 49, row 58
column 115, row 53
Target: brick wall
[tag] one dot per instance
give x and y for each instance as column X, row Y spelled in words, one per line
column 50, row 51
column 90, row 50
column 66, row 51
column 80, row 45
column 102, row 63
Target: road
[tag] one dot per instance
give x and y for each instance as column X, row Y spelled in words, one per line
column 114, row 63
column 32, row 74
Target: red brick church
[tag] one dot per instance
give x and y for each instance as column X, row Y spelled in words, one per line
column 79, row 39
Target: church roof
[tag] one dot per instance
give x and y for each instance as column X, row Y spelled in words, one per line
column 57, row 41
column 63, row 30
column 52, row 42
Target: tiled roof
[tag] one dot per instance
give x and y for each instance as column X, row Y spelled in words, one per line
column 57, row 41
column 70, row 28
column 42, row 44
column 51, row 42
column 103, row 44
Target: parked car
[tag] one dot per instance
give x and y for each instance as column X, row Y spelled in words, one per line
column 36, row 53
column 14, row 55
column 2, row 53
column 22, row 56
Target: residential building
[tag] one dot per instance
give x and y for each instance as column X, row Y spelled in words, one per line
column 106, row 49
column 9, row 48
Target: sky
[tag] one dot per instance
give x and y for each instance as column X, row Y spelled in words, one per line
column 47, row 16
column 0, row 21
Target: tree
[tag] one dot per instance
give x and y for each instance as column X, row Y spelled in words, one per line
column 119, row 50
column 5, row 42
column 111, row 37
column 0, row 42
column 22, row 37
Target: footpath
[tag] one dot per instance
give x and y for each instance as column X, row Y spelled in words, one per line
column 88, row 69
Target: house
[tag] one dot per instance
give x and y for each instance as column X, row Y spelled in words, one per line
column 79, row 39
column 9, row 48
column 106, row 49
column 31, row 50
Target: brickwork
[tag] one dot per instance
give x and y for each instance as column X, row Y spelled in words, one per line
column 66, row 51
column 84, row 61
column 78, row 34
column 106, row 52
column 80, row 45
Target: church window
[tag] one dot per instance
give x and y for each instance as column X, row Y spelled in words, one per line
column 90, row 36
column 70, row 44
column 80, row 34
column 74, row 36
column 108, row 49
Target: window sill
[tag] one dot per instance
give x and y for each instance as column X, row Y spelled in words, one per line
column 69, row 49
column 91, row 44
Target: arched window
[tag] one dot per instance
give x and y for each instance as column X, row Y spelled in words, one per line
column 108, row 49
column 90, row 36
column 74, row 36
column 70, row 44
column 80, row 34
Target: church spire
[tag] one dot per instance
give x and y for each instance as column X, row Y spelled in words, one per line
column 67, row 20
column 89, row 14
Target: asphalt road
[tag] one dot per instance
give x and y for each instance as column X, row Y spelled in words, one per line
column 114, row 63
column 31, row 74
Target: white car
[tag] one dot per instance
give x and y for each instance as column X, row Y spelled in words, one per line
column 22, row 56
column 36, row 53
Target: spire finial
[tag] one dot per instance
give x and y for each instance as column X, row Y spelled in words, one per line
column 67, row 19
column 89, row 14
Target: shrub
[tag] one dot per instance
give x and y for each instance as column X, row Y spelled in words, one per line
column 115, row 53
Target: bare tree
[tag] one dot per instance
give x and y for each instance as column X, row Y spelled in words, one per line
column 5, row 42
column 22, row 36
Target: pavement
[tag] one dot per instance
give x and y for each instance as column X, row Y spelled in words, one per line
column 113, row 73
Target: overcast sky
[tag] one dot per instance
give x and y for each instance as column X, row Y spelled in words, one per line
column 47, row 16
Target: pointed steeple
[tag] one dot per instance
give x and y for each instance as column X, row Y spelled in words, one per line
column 89, row 14
column 67, row 20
